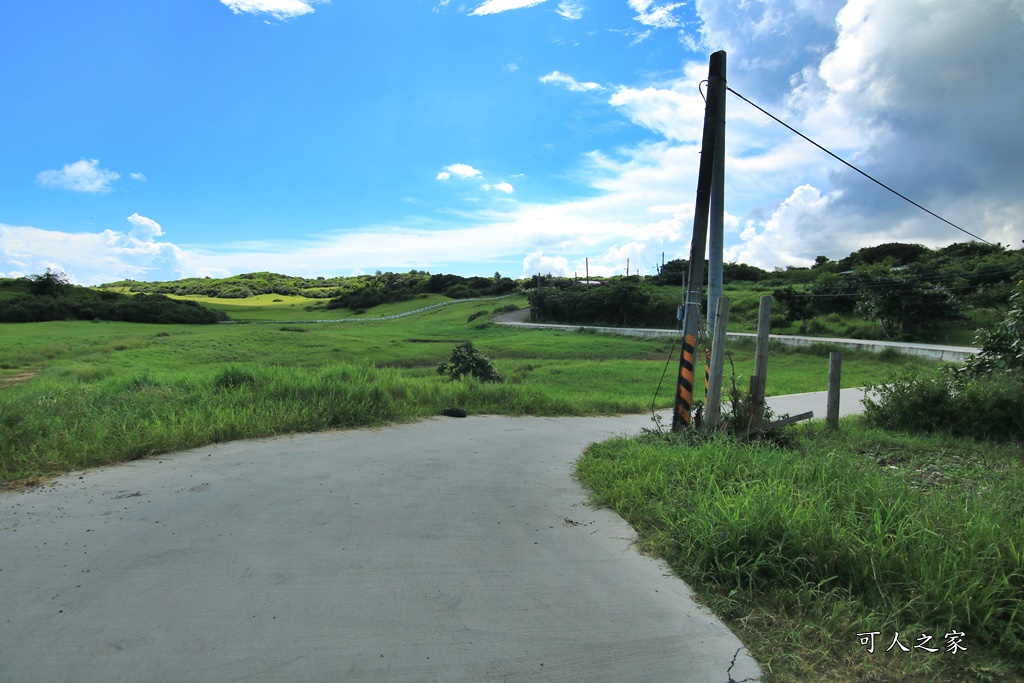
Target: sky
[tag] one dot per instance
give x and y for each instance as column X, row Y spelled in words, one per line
column 161, row 139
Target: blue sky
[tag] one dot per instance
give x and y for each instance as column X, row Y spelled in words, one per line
column 160, row 139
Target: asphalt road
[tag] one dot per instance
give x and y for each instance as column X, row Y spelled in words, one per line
column 447, row 550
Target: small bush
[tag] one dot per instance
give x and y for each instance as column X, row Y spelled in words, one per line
column 466, row 359
column 294, row 329
column 982, row 407
column 474, row 316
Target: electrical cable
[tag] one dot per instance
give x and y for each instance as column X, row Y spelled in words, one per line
column 671, row 355
column 847, row 163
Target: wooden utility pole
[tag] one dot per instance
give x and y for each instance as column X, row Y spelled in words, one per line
column 682, row 414
column 717, row 238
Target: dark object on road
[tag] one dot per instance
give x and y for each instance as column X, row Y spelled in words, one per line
column 454, row 412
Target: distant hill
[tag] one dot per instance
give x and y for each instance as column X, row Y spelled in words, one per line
column 356, row 292
column 48, row 297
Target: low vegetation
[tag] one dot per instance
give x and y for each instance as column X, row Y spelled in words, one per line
column 904, row 523
column 51, row 297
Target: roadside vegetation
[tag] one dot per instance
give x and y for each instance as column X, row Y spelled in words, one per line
column 906, row 522
column 902, row 292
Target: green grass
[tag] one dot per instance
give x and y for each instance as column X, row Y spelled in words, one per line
column 82, row 407
column 285, row 308
column 802, row 548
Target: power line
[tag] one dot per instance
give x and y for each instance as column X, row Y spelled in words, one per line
column 844, row 161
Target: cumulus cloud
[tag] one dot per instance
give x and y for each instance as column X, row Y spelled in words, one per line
column 460, row 170
column 536, row 262
column 137, row 176
column 279, row 9
column 570, row 10
column 93, row 258
column 84, row 175
column 144, row 229
column 656, row 14
column 896, row 88
column 496, row 6
column 566, row 81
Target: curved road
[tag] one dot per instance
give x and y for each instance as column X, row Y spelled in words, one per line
column 447, row 550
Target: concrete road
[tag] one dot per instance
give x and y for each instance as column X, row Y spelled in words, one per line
column 448, row 550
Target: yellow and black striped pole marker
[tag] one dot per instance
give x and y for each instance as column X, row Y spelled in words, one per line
column 684, row 388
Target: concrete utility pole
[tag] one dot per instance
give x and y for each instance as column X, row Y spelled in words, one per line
column 682, row 413
column 717, row 239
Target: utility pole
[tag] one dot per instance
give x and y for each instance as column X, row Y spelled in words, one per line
column 717, row 238
column 682, row 414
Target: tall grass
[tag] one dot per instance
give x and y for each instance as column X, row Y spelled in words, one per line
column 827, row 537
column 60, row 422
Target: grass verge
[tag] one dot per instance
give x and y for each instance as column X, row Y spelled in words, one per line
column 801, row 549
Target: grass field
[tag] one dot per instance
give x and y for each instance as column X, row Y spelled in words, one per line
column 285, row 308
column 101, row 392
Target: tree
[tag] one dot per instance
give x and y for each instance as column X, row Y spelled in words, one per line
column 903, row 305
column 1002, row 346
column 50, row 283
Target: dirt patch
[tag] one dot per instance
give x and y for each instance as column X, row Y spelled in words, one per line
column 520, row 316
column 15, row 379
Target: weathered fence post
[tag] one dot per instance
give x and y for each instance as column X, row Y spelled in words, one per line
column 760, row 378
column 713, row 399
column 835, row 363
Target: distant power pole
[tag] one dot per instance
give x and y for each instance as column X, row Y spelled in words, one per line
column 682, row 413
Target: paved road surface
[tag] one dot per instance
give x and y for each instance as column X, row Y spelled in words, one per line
column 448, row 550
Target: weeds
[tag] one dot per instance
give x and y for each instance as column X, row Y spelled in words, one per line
column 821, row 541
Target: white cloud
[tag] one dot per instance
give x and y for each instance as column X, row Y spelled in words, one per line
column 558, row 78
column 570, row 10
column 501, row 187
column 96, row 257
column 496, row 6
column 460, row 170
column 144, row 229
column 536, row 262
column 280, row 9
column 84, row 175
column 137, row 176
column 656, row 14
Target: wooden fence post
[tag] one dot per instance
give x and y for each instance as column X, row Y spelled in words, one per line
column 835, row 363
column 713, row 399
column 760, row 378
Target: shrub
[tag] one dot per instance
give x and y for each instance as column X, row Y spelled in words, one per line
column 979, row 407
column 466, row 359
